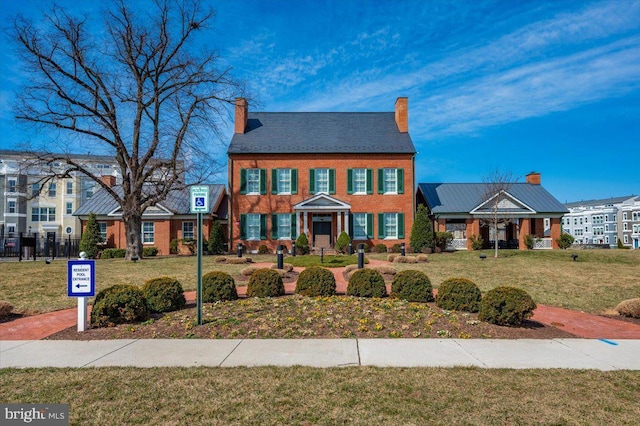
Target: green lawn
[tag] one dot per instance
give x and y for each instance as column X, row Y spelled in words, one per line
column 305, row 396
column 597, row 282
column 328, row 261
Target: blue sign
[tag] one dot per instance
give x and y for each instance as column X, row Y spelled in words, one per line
column 199, row 201
column 81, row 278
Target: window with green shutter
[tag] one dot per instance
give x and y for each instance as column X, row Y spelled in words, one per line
column 253, row 181
column 281, row 226
column 263, row 226
column 361, row 226
column 312, row 181
column 390, row 181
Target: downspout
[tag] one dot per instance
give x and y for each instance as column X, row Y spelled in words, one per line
column 230, row 211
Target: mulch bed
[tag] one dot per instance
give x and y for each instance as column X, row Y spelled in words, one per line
column 295, row 316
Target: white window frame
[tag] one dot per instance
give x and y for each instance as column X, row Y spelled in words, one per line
column 253, row 227
column 360, row 223
column 11, row 228
column 359, row 181
column 322, row 180
column 12, row 184
column 284, row 222
column 103, row 231
column 45, row 214
column 626, row 239
column 12, row 204
column 390, row 181
column 35, row 189
column 284, row 178
column 69, row 186
column 53, row 190
column 68, row 207
column 148, row 236
column 186, row 233
column 388, row 218
column 253, row 180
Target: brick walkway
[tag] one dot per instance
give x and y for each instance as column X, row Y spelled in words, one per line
column 580, row 324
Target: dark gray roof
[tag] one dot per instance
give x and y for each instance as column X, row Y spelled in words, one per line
column 178, row 202
column 91, row 157
column 464, row 197
column 321, row 132
column 602, row 202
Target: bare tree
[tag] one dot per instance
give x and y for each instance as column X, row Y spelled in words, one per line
column 138, row 88
column 496, row 187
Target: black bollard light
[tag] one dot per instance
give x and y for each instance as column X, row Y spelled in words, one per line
column 239, row 249
column 350, row 249
column 360, row 256
column 280, row 257
column 321, row 254
column 574, row 257
column 402, row 252
column 293, row 249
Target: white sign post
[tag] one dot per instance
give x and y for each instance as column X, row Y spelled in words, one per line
column 81, row 283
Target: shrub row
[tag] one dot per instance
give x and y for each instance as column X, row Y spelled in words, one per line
column 127, row 303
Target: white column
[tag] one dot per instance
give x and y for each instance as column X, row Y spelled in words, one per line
column 346, row 222
column 306, row 222
column 339, row 216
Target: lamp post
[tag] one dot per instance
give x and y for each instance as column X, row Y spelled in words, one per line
column 360, row 256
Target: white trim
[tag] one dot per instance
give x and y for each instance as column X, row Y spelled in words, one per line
column 333, row 204
column 506, row 194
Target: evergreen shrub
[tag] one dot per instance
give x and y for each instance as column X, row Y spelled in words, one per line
column 265, row 282
column 506, row 306
column 164, row 294
column 119, row 304
column 316, row 281
column 366, row 283
column 218, row 285
column 459, row 294
column 413, row 286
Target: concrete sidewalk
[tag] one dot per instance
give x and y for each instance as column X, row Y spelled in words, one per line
column 491, row 353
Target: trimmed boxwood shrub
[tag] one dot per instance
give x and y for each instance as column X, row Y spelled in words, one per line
column 119, row 304
column 342, row 243
column 506, row 306
column 366, row 283
column 459, row 294
column 218, row 285
column 302, row 244
column 113, row 253
column 316, row 281
column 164, row 294
column 413, row 286
column 149, row 251
column 265, row 282
column 380, row 248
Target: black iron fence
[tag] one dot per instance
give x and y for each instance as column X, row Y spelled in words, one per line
column 33, row 246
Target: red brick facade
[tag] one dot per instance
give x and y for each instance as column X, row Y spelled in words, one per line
column 269, row 203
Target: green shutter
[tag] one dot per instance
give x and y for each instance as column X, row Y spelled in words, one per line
column 294, row 181
column 351, row 225
column 274, row 226
column 380, row 181
column 400, row 177
column 294, row 227
column 381, row 226
column 369, row 225
column 274, row 181
column 243, row 226
column 400, row 224
column 332, row 181
column 312, row 181
column 263, row 226
column 263, row 181
column 243, row 181
column 369, row 181
column 349, row 181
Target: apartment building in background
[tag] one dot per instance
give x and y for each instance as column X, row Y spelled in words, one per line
column 29, row 207
column 605, row 221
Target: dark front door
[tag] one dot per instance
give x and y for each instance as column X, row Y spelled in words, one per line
column 322, row 234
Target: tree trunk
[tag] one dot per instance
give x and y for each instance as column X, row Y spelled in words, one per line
column 132, row 218
column 495, row 236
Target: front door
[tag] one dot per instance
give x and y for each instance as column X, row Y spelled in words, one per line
column 322, row 234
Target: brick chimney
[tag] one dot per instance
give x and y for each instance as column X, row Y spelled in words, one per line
column 533, row 178
column 402, row 114
column 241, row 115
column 108, row 180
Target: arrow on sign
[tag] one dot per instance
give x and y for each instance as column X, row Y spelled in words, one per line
column 79, row 286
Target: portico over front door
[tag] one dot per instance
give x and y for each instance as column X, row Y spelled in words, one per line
column 322, row 231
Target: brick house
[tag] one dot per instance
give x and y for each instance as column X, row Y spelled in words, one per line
column 320, row 173
column 168, row 220
column 525, row 209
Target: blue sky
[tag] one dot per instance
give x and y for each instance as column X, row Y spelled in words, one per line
column 552, row 87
